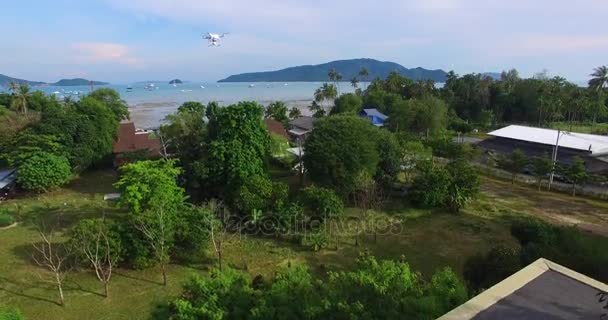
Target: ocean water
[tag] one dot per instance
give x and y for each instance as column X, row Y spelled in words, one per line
column 148, row 107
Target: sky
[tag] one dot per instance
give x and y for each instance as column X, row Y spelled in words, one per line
column 122, row 41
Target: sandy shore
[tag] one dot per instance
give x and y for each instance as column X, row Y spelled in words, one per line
column 151, row 114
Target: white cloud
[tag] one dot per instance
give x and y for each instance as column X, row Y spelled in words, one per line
column 104, row 52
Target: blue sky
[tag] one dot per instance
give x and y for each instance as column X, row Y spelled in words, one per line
column 128, row 40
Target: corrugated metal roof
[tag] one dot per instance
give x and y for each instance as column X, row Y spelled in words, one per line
column 593, row 143
column 375, row 113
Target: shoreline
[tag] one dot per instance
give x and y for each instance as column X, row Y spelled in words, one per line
column 151, row 114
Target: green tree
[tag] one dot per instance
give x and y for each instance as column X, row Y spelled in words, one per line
column 363, row 73
column 391, row 290
column 192, row 107
column 327, row 93
column 224, row 294
column 354, row 82
column 111, row 99
column 577, row 173
column 86, row 129
column 464, row 184
column 514, row 163
column 431, row 185
column 98, row 245
column 277, row 111
column 419, row 116
column 43, row 171
column 21, row 92
column 239, row 147
column 292, row 295
column 541, row 166
column 294, row 113
column 339, row 149
column 184, row 136
column 598, row 83
column 144, row 184
column 321, row 203
column 347, row 103
column 149, row 190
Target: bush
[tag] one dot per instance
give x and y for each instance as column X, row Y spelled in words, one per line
column 8, row 313
column 315, row 240
column 430, row 187
column 321, row 203
column 485, row 270
column 528, row 230
column 43, row 171
column 6, row 219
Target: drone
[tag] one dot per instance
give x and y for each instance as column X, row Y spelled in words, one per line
column 214, row 39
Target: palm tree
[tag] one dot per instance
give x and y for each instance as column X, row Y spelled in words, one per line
column 598, row 82
column 363, row 73
column 21, row 92
column 354, row 82
column 334, row 76
column 326, row 92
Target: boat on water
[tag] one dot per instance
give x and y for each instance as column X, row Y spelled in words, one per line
column 286, row 84
column 202, row 87
column 251, row 85
column 129, row 89
column 185, row 90
column 56, row 92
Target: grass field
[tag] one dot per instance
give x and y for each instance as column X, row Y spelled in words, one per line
column 598, row 128
column 427, row 239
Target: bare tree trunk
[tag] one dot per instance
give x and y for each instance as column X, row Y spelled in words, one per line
column 219, row 259
column 106, row 289
column 574, row 189
column 60, row 288
column 163, row 269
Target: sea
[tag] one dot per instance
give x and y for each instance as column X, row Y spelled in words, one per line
column 150, row 102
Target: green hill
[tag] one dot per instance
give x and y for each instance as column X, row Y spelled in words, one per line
column 347, row 68
column 5, row 80
column 77, row 82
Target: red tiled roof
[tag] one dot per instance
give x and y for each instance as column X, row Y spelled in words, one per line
column 128, row 140
column 276, row 127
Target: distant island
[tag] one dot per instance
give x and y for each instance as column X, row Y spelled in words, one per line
column 176, row 81
column 347, row 68
column 6, row 80
column 77, row 82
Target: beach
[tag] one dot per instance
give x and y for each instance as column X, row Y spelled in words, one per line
column 150, row 102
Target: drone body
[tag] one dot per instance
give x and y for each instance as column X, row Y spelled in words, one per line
column 214, row 39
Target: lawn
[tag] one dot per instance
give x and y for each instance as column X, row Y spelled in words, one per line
column 426, row 239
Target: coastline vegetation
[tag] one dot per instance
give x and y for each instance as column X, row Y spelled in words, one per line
column 376, row 205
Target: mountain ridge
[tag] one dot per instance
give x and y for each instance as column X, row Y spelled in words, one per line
column 347, row 68
column 5, row 80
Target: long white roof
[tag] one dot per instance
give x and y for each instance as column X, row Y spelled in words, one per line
column 596, row 144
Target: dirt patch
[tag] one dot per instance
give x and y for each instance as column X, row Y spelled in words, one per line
column 589, row 215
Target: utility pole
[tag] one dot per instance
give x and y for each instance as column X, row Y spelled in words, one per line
column 554, row 158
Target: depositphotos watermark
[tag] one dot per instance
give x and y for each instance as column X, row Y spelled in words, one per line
column 347, row 226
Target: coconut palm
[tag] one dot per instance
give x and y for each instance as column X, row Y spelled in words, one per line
column 326, row 92
column 354, row 82
column 363, row 73
column 20, row 91
column 597, row 83
column 599, row 78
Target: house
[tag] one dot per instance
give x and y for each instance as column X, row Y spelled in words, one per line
column 376, row 117
column 8, row 178
column 534, row 142
column 300, row 127
column 542, row 290
column 276, row 127
column 131, row 141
